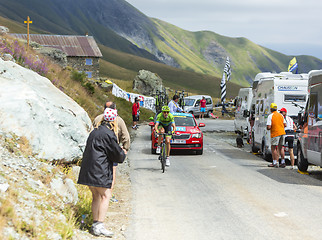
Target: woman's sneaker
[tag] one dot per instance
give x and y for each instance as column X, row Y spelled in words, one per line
column 94, row 230
column 98, row 229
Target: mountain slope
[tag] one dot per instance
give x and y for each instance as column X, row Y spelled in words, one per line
column 118, row 25
column 66, row 17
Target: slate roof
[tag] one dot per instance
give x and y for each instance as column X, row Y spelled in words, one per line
column 73, row 46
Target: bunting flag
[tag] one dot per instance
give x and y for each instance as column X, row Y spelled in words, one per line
column 223, row 88
column 293, row 65
column 227, row 69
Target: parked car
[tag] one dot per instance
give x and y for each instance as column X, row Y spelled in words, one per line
column 192, row 105
column 188, row 135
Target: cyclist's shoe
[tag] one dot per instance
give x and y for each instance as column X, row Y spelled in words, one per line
column 167, row 162
column 158, row 151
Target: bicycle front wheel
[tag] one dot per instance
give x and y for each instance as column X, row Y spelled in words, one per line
column 163, row 157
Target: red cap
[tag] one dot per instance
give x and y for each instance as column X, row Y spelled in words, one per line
column 283, row 110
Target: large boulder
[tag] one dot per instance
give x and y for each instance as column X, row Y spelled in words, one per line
column 31, row 106
column 146, row 83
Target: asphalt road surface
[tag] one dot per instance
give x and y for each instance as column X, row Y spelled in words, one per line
column 226, row 193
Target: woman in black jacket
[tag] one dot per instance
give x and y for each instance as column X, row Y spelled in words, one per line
column 96, row 170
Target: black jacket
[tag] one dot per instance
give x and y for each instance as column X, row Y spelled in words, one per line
column 97, row 166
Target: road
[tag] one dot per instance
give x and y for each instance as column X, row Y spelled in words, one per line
column 227, row 193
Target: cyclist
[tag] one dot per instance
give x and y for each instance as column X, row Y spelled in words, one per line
column 163, row 124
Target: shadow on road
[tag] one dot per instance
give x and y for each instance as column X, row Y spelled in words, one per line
column 292, row 176
column 148, row 169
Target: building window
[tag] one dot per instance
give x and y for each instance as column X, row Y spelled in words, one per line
column 89, row 74
column 89, row 61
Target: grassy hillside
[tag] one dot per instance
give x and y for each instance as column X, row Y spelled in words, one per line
column 124, row 66
column 190, row 50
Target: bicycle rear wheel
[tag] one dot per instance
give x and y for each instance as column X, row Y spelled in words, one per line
column 163, row 156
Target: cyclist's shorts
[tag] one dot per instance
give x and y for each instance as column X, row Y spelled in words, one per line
column 202, row 109
column 290, row 141
column 167, row 129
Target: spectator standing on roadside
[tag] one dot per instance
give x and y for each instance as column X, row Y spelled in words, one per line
column 202, row 107
column 276, row 124
column 96, row 170
column 174, row 106
column 121, row 132
column 135, row 113
column 289, row 138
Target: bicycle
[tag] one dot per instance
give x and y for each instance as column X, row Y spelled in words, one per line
column 163, row 152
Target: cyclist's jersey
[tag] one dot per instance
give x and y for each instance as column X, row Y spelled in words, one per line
column 165, row 121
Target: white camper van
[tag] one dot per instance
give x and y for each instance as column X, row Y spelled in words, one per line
column 284, row 89
column 309, row 142
column 243, row 104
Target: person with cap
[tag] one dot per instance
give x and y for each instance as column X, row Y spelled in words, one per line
column 135, row 113
column 276, row 124
column 164, row 122
column 174, row 106
column 122, row 135
column 289, row 137
column 96, row 169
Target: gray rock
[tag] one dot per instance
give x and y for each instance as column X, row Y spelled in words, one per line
column 8, row 57
column 107, row 87
column 31, row 106
column 55, row 54
column 4, row 187
column 3, row 30
column 147, row 83
column 66, row 189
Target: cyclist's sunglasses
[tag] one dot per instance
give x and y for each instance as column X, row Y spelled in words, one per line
column 165, row 112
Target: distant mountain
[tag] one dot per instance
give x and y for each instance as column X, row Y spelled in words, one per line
column 120, row 26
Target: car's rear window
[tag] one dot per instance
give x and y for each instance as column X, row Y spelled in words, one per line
column 184, row 121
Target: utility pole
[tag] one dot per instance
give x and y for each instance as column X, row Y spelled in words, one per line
column 28, row 22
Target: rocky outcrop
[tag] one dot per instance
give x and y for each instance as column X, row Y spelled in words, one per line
column 3, row 30
column 57, row 55
column 31, row 106
column 147, row 83
column 215, row 54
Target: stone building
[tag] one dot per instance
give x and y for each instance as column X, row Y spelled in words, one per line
column 82, row 52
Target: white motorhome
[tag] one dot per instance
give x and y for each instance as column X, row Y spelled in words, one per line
column 284, row 89
column 309, row 142
column 243, row 104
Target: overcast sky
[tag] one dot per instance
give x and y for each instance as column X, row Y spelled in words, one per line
column 292, row 27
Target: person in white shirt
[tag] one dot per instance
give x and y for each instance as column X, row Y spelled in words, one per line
column 174, row 106
column 289, row 137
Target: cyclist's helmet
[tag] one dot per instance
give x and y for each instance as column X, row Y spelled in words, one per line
column 165, row 109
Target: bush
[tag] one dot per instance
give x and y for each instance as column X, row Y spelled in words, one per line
column 78, row 76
